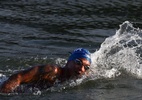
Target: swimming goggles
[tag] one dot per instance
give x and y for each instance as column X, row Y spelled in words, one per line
column 79, row 62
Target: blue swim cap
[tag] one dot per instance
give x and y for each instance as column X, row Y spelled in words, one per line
column 80, row 53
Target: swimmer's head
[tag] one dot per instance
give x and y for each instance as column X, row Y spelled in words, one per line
column 80, row 53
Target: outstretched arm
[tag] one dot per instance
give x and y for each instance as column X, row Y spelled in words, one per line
column 15, row 80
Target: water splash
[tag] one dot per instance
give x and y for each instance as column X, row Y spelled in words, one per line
column 61, row 61
column 2, row 78
column 119, row 52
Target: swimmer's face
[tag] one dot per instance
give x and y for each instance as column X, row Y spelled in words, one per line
column 81, row 66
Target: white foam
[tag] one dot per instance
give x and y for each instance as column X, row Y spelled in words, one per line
column 120, row 51
column 61, row 61
column 2, row 78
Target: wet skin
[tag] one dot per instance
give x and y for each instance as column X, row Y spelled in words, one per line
column 46, row 74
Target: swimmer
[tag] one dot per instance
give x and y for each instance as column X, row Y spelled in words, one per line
column 77, row 65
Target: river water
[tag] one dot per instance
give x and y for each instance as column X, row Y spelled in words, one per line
column 34, row 32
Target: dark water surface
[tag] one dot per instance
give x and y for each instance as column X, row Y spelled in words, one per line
column 42, row 31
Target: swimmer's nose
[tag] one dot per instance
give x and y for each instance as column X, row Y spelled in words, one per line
column 82, row 70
